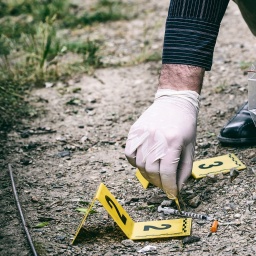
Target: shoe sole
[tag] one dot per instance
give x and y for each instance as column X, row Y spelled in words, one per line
column 240, row 141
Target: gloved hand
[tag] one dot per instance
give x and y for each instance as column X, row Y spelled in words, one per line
column 161, row 142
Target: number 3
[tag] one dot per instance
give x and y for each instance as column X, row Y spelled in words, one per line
column 216, row 163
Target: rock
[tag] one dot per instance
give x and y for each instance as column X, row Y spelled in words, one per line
column 205, row 144
column 194, row 202
column 26, row 161
column 81, row 126
column 64, row 153
column 61, row 237
column 156, row 199
column 220, row 176
column 254, row 196
column 128, row 243
column 253, row 160
column 237, row 216
column 24, row 134
column 210, row 178
column 191, row 239
column 109, row 254
column 233, row 174
column 167, row 203
column 103, row 171
column 34, row 199
column 61, row 138
column 148, row 248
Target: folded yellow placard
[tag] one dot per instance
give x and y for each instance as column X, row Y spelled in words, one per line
column 137, row 230
column 215, row 165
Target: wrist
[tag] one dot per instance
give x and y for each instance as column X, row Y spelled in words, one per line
column 181, row 77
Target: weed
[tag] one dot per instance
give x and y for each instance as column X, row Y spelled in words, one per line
column 245, row 65
column 89, row 51
column 104, row 11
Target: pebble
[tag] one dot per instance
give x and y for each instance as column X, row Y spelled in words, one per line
column 233, row 174
column 26, row 161
column 237, row 216
column 210, row 178
column 194, row 202
column 148, row 248
column 253, row 160
column 204, row 144
column 191, row 239
column 25, row 134
column 156, row 199
column 167, row 203
column 64, row 153
column 220, row 176
column 128, row 243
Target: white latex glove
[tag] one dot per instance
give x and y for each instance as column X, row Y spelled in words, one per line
column 161, row 142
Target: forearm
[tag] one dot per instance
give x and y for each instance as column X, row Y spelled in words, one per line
column 181, row 77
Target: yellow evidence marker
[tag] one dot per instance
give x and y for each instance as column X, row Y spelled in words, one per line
column 141, row 179
column 215, row 165
column 137, row 230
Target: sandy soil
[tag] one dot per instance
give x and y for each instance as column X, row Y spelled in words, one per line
column 78, row 142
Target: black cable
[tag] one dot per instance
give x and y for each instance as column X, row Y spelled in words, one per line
column 20, row 212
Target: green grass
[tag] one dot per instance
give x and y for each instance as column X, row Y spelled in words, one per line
column 104, row 11
column 32, row 48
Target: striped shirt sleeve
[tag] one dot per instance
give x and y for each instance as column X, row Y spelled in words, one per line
column 191, row 31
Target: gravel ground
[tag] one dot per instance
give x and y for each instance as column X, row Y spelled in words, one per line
column 77, row 142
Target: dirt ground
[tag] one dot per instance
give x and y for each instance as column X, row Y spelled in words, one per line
column 60, row 158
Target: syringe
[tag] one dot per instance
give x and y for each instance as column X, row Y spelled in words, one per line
column 167, row 210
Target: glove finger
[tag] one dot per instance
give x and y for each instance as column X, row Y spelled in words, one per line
column 185, row 165
column 153, row 171
column 135, row 139
column 168, row 172
column 140, row 162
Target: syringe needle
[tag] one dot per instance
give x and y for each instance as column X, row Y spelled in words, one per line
column 166, row 210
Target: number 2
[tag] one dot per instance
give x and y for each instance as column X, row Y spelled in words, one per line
column 216, row 163
column 164, row 226
column 111, row 204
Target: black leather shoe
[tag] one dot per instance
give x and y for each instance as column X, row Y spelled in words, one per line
column 240, row 130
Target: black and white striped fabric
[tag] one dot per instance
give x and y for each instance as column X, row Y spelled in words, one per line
column 192, row 28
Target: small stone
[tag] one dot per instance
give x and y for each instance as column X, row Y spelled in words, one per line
column 64, row 153
column 81, row 126
column 127, row 243
column 61, row 138
column 253, row 160
column 204, row 144
column 220, row 176
column 25, row 134
column 233, row 174
column 210, row 178
column 237, row 216
column 26, row 161
column 194, row 202
column 252, row 154
column 167, row 203
column 103, row 171
column 191, row 239
column 254, row 196
column 109, row 254
column 60, row 238
column 34, row 199
column 156, row 199
column 148, row 248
